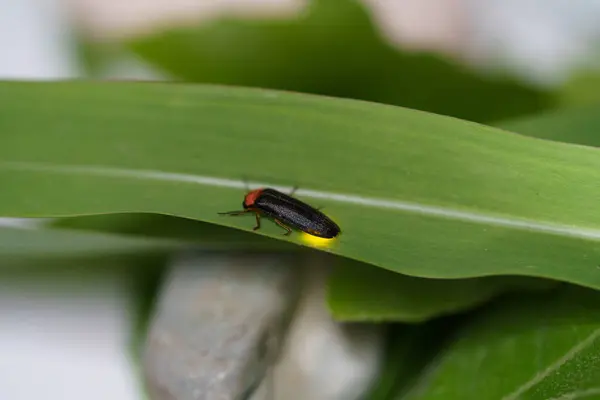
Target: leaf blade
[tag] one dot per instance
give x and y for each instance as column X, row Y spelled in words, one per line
column 528, row 347
column 286, row 139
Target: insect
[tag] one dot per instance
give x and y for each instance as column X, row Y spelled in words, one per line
column 286, row 210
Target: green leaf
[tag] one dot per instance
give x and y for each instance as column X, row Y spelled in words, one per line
column 333, row 48
column 416, row 193
column 525, row 348
column 582, row 88
column 20, row 244
column 171, row 228
column 359, row 292
column 409, row 349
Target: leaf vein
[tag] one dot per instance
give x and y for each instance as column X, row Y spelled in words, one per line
column 416, row 208
column 540, row 376
column 578, row 394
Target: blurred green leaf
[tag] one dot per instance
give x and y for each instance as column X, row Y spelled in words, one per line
column 416, row 193
column 410, row 349
column 334, row 49
column 582, row 89
column 359, row 292
column 527, row 347
column 60, row 245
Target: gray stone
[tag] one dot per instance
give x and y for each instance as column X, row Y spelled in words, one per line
column 218, row 324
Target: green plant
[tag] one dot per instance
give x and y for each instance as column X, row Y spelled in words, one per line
column 479, row 243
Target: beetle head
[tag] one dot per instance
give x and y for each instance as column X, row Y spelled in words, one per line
column 250, row 198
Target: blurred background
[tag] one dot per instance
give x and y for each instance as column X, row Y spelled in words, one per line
column 68, row 334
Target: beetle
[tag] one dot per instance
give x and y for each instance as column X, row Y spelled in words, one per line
column 287, row 210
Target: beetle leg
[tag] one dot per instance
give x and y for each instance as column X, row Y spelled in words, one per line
column 257, row 222
column 287, row 228
column 294, row 190
column 234, row 212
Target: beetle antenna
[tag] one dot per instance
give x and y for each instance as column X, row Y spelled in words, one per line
column 246, row 184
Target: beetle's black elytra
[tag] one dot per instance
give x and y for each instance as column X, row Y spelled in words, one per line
column 287, row 211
